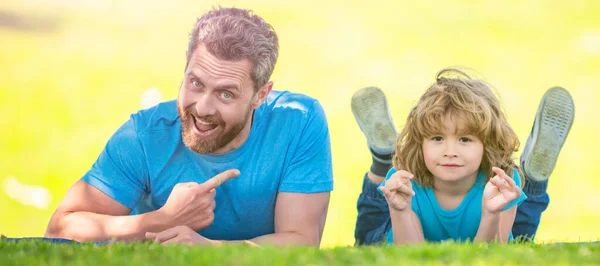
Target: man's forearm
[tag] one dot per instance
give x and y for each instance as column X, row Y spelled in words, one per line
column 277, row 239
column 288, row 238
column 87, row 226
column 489, row 229
column 405, row 228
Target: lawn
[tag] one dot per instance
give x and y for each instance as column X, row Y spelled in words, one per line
column 42, row 253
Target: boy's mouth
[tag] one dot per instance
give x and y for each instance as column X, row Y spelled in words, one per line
column 450, row 165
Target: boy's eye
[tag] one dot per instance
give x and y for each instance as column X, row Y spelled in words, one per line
column 464, row 139
column 437, row 138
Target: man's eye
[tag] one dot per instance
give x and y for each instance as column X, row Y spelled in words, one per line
column 226, row 95
column 195, row 83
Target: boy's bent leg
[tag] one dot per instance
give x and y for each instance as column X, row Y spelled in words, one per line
column 370, row 109
column 530, row 211
column 373, row 212
column 550, row 129
column 42, row 239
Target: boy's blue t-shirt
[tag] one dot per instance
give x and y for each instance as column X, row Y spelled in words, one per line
column 459, row 224
column 287, row 150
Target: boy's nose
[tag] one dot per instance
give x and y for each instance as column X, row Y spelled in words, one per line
column 450, row 151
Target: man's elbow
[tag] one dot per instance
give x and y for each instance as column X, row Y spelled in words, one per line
column 310, row 238
column 65, row 225
column 53, row 231
column 54, row 228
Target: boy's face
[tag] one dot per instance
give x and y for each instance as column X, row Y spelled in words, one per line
column 451, row 157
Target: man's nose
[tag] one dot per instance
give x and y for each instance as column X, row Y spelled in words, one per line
column 205, row 105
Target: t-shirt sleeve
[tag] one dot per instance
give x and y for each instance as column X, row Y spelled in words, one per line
column 121, row 170
column 521, row 198
column 310, row 169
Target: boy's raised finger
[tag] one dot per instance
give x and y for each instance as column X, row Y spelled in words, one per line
column 386, row 192
column 498, row 171
column 403, row 174
column 498, row 182
column 393, row 183
column 406, row 190
column 510, row 180
column 504, row 176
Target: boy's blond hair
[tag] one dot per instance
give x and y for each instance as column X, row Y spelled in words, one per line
column 470, row 103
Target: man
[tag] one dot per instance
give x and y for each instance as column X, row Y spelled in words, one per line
column 165, row 174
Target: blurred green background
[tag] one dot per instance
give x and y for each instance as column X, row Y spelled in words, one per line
column 71, row 72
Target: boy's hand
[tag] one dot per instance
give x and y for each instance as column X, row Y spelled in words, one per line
column 398, row 191
column 499, row 192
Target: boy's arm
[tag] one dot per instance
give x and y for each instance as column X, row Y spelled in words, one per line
column 496, row 227
column 406, row 227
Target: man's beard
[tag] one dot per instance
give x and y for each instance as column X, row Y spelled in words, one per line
column 207, row 145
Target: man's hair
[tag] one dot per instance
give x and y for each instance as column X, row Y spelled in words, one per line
column 472, row 105
column 235, row 34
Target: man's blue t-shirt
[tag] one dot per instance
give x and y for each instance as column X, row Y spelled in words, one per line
column 287, row 150
column 459, row 224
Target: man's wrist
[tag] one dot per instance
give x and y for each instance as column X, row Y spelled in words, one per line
column 234, row 242
column 217, row 242
column 157, row 221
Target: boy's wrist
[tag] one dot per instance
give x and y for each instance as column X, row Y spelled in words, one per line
column 404, row 211
column 489, row 216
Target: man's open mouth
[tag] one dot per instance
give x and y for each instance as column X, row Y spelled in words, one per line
column 202, row 128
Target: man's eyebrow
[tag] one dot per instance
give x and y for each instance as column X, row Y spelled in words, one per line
column 226, row 86
column 191, row 73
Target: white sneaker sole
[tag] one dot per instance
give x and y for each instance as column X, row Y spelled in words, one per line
column 554, row 119
column 371, row 112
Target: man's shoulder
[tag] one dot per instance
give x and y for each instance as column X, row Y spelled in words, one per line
column 285, row 101
column 162, row 116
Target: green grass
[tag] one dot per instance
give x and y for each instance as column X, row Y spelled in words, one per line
column 42, row 253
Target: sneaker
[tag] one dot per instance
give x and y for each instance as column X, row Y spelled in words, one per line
column 371, row 112
column 552, row 123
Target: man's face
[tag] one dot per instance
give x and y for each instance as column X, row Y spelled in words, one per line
column 215, row 103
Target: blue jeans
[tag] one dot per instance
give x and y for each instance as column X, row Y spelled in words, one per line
column 373, row 220
column 52, row 240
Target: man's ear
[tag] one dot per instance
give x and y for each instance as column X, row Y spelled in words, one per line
column 261, row 94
